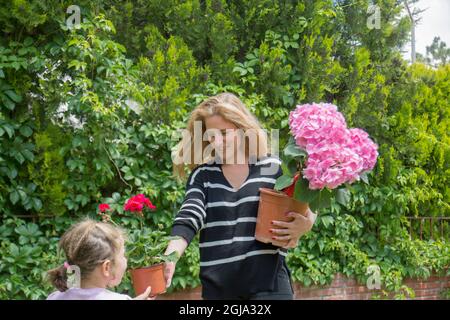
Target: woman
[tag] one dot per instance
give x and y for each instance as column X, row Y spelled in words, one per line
column 221, row 202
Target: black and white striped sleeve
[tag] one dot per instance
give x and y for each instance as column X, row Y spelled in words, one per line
column 192, row 214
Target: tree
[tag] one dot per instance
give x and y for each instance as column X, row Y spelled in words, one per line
column 440, row 54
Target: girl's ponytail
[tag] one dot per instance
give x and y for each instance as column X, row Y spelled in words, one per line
column 58, row 278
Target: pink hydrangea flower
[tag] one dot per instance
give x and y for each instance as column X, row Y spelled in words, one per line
column 360, row 142
column 330, row 165
column 313, row 123
column 336, row 155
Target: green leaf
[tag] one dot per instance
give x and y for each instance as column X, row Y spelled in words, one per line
column 28, row 155
column 23, row 195
column 322, row 201
column 283, row 182
column 327, row 220
column 342, row 196
column 8, row 103
column 293, row 151
column 14, row 97
column 2, row 74
column 9, row 130
column 12, row 173
column 116, row 196
column 364, row 177
column 19, row 157
column 37, row 204
column 28, row 41
column 302, row 191
column 292, row 166
column 26, row 131
column 14, row 197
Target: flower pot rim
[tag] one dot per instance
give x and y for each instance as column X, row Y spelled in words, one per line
column 147, row 267
column 274, row 192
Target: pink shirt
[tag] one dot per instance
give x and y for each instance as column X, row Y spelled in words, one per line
column 87, row 294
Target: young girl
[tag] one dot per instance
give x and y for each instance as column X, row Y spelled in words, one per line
column 221, row 203
column 98, row 250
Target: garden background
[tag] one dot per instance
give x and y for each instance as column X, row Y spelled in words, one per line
column 88, row 115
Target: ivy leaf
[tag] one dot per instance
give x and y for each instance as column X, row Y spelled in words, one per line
column 327, row 220
column 343, row 196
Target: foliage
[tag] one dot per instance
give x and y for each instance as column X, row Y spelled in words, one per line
column 94, row 111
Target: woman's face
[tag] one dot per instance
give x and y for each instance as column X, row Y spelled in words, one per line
column 226, row 144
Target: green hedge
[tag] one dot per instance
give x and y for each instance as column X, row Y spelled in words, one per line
column 93, row 112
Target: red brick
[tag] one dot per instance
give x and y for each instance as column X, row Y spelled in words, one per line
column 357, row 289
column 331, row 291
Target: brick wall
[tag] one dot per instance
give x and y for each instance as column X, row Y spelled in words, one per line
column 342, row 288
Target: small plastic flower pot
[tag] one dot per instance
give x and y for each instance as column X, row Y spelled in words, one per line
column 274, row 205
column 152, row 276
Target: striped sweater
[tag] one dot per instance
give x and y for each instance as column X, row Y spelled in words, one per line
column 232, row 262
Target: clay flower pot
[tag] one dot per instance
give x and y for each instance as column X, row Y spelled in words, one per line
column 152, row 276
column 273, row 205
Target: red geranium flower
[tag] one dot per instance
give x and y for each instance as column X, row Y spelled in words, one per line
column 103, row 207
column 133, row 206
column 137, row 203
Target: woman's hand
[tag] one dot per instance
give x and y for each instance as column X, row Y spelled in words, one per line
column 169, row 269
column 145, row 295
column 290, row 232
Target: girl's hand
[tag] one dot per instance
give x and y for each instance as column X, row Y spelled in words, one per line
column 145, row 295
column 169, row 269
column 290, row 232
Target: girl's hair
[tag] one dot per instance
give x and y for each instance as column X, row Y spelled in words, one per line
column 231, row 109
column 86, row 245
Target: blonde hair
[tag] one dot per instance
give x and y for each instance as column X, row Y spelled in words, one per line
column 86, row 245
column 231, row 109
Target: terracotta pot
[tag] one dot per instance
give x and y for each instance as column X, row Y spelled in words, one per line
column 152, row 276
column 273, row 205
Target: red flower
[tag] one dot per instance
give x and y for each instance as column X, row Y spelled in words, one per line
column 133, row 206
column 103, row 207
column 290, row 190
column 137, row 203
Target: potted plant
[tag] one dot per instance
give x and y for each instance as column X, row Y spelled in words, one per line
column 145, row 246
column 320, row 161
